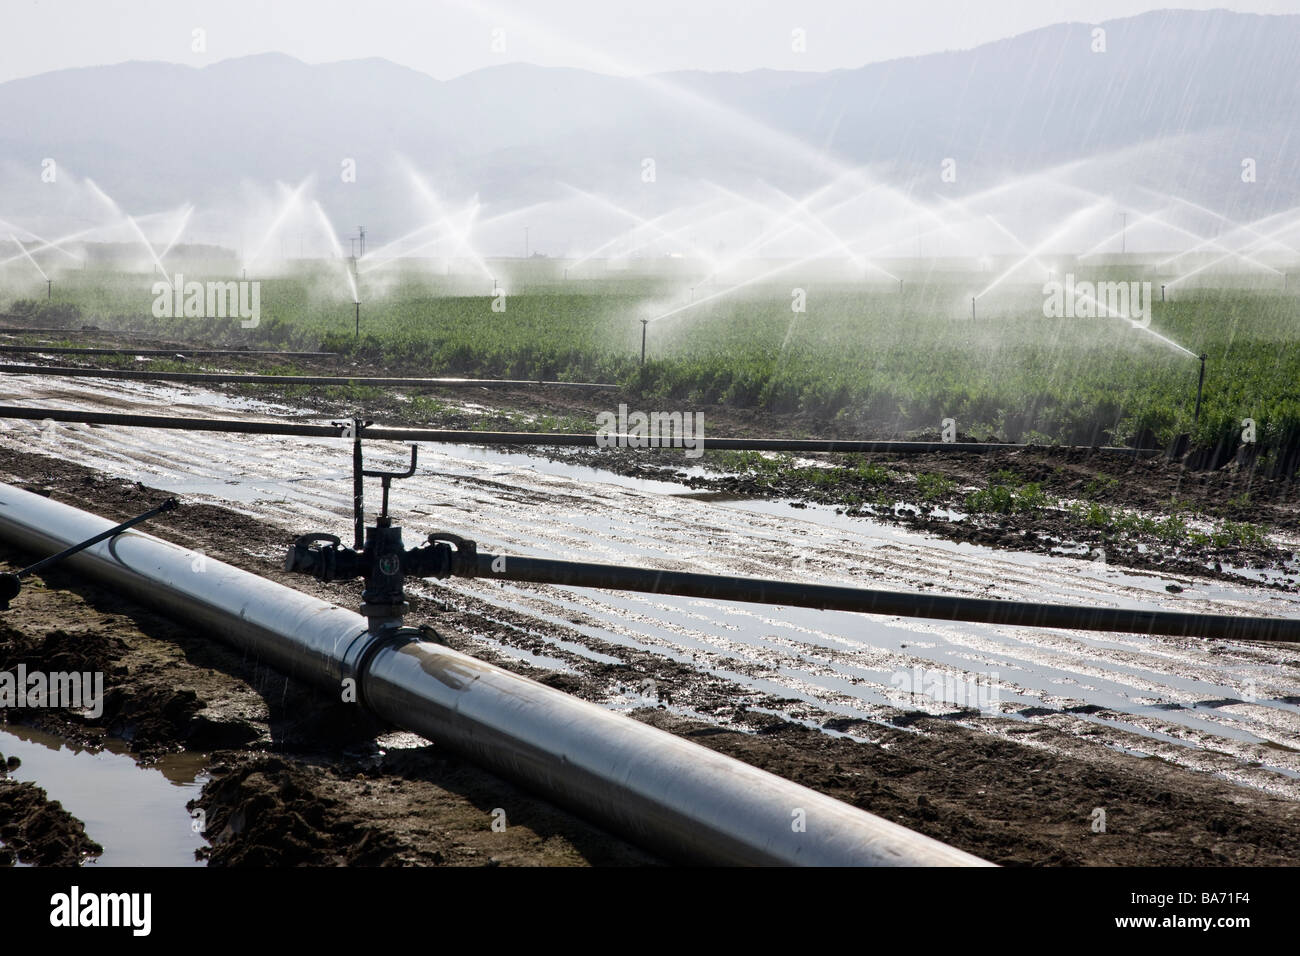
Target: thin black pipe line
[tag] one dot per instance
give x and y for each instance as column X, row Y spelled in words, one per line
column 60, row 371
column 467, row 437
column 868, row 601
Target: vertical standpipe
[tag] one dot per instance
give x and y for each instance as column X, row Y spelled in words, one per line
column 1200, row 385
column 358, row 488
column 654, row 788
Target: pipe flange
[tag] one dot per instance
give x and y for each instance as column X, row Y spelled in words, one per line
column 462, row 559
column 356, row 659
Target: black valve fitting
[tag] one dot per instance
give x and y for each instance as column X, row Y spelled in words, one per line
column 379, row 556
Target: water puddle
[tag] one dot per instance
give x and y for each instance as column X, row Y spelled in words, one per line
column 137, row 814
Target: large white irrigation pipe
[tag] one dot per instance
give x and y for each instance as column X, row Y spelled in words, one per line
column 658, row 790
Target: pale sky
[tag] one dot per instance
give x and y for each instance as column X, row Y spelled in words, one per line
column 447, row 38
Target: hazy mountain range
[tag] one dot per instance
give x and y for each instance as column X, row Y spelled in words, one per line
column 1175, row 102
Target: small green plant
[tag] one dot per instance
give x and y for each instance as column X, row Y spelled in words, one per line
column 1239, row 534
column 1100, row 486
column 997, row 499
column 1091, row 515
column 1172, row 530
column 1003, row 499
column 934, row 487
column 748, row 462
column 1031, row 497
column 870, row 474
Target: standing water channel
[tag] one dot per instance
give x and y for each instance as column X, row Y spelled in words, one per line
column 137, row 814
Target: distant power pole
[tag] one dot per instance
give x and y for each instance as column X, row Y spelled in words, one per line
column 362, row 234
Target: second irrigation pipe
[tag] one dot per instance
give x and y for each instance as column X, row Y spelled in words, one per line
column 832, row 598
column 468, row 437
column 65, row 371
column 169, row 353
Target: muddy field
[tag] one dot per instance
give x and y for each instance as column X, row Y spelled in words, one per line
column 1189, row 767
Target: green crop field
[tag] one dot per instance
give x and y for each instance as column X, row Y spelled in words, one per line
column 864, row 353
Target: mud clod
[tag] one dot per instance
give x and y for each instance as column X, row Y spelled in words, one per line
column 37, row 830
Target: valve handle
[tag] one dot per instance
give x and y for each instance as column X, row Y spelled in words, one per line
column 395, row 474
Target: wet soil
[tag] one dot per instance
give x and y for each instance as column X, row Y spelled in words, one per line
column 296, row 779
column 1149, row 484
column 36, row 830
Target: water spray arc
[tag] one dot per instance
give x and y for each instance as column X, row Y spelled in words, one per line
column 186, row 213
column 36, row 265
column 41, row 245
column 752, row 280
column 643, row 223
column 387, row 253
column 1237, row 227
column 133, row 224
column 290, row 204
column 1032, row 254
column 1239, row 254
column 338, row 252
column 460, row 234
